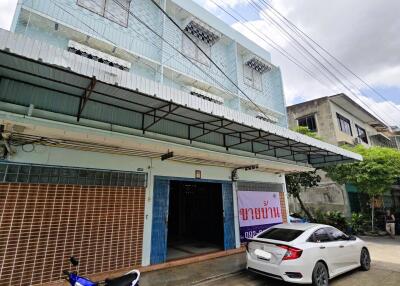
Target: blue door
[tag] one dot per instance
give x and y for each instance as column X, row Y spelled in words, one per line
column 160, row 221
column 229, row 223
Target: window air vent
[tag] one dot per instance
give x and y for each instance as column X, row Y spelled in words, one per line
column 206, row 95
column 257, row 63
column 201, row 31
column 98, row 56
column 270, row 118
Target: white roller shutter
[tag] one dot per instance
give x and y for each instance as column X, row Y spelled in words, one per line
column 257, row 80
column 188, row 47
column 248, row 75
column 200, row 56
column 117, row 11
column 96, row 6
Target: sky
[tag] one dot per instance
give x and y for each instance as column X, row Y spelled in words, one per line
column 363, row 34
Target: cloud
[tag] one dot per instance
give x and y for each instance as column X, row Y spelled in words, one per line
column 230, row 3
column 362, row 34
column 384, row 110
column 7, row 8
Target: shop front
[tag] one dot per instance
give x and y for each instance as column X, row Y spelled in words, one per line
column 191, row 217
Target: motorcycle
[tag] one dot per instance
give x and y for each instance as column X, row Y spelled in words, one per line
column 129, row 279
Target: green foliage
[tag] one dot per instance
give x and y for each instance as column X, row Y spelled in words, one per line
column 333, row 218
column 298, row 182
column 305, row 131
column 374, row 175
column 358, row 223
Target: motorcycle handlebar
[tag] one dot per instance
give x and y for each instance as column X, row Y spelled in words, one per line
column 66, row 272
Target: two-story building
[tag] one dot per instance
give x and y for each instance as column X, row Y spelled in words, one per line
column 135, row 133
column 339, row 120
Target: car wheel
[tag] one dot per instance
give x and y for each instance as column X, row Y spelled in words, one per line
column 365, row 260
column 320, row 276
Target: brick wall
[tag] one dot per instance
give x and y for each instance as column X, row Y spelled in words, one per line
column 282, row 199
column 41, row 225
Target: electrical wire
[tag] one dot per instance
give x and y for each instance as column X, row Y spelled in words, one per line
column 137, row 33
column 197, row 46
column 302, row 47
column 301, row 34
column 208, row 74
column 262, row 36
column 259, row 10
column 325, row 68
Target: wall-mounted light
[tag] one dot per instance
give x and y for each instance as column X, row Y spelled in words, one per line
column 167, row 156
column 234, row 176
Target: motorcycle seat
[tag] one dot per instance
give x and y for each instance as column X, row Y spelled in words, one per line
column 125, row 280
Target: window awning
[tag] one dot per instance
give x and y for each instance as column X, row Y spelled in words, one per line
column 256, row 63
column 131, row 101
column 201, row 31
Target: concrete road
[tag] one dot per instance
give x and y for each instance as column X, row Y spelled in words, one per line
column 228, row 271
column 385, row 270
column 374, row 277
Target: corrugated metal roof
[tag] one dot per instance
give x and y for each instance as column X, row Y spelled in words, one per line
column 38, row 63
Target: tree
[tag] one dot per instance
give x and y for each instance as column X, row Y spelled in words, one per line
column 299, row 182
column 374, row 175
column 305, row 131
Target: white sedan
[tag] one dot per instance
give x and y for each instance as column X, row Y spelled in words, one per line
column 306, row 253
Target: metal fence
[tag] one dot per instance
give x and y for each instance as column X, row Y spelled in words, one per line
column 45, row 174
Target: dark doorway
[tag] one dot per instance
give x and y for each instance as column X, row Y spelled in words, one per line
column 195, row 219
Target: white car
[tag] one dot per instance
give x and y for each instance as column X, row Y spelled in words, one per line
column 306, row 253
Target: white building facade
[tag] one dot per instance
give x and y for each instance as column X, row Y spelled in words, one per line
column 128, row 130
column 339, row 120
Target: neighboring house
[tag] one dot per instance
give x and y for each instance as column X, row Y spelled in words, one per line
column 339, row 120
column 394, row 135
column 124, row 145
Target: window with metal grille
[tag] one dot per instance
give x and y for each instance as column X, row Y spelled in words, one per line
column 344, row 124
column 114, row 10
column 43, row 174
column 189, row 48
column 362, row 134
column 259, row 187
column 309, row 122
column 252, row 77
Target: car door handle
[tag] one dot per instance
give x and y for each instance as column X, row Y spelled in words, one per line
column 341, row 246
column 322, row 247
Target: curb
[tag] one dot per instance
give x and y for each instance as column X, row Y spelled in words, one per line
column 217, row 277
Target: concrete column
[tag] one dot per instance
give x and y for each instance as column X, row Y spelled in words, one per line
column 236, row 214
column 148, row 218
column 286, row 197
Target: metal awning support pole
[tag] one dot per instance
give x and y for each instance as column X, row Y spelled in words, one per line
column 170, row 110
column 241, row 141
column 85, row 97
column 210, row 131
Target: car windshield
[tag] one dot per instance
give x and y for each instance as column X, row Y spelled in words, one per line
column 282, row 234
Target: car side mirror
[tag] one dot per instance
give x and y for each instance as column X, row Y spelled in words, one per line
column 352, row 237
column 74, row 261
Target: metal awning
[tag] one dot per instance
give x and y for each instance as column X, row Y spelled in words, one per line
column 201, row 30
column 153, row 108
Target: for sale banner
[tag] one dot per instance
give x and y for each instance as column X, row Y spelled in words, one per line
column 257, row 212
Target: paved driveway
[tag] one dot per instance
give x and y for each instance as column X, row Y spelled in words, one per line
column 374, row 277
column 385, row 271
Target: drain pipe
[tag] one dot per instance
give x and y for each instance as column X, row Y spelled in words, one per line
column 234, row 176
